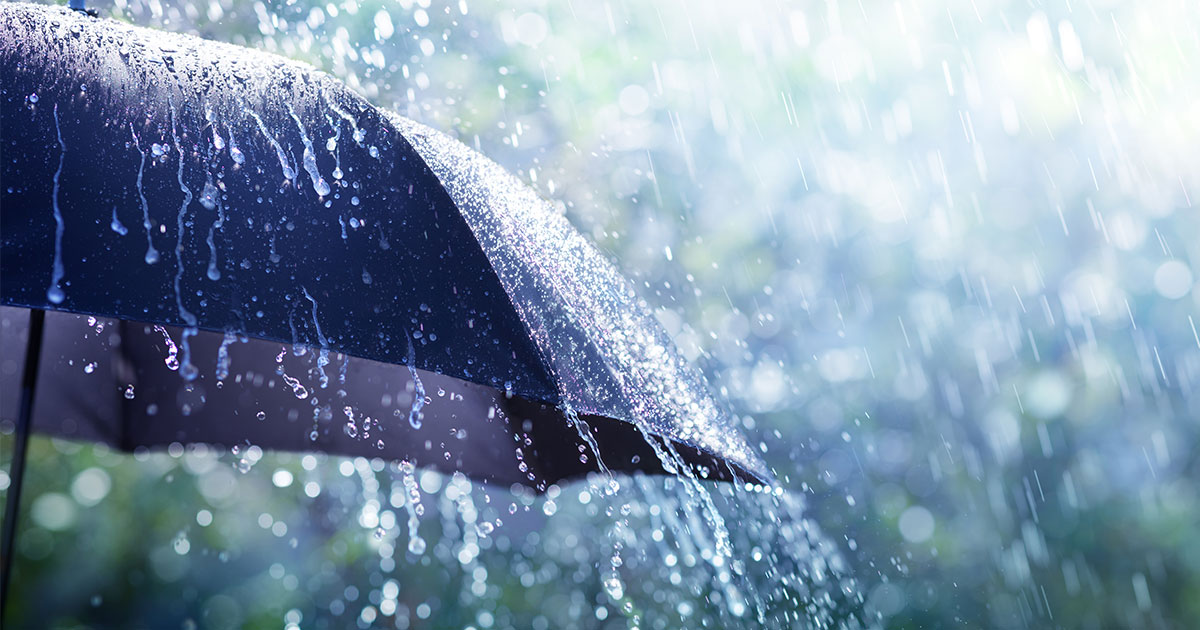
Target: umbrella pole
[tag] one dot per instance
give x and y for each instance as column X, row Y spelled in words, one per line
column 16, row 471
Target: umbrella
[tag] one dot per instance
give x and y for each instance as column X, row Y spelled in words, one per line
column 203, row 243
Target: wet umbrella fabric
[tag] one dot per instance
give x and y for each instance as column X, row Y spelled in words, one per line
column 219, row 232
column 159, row 178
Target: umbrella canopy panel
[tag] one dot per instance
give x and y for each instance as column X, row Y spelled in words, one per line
column 608, row 353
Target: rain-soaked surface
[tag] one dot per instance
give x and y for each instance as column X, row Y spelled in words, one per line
column 935, row 259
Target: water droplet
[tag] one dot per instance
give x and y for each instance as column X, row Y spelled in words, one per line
column 614, row 587
column 262, row 415
column 208, row 198
column 116, row 224
column 129, row 392
column 416, row 545
column 89, row 368
column 33, row 98
column 297, row 388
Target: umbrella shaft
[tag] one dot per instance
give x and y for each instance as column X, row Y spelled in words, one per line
column 16, row 470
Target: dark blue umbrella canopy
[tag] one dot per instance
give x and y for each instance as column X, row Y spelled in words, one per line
column 242, row 249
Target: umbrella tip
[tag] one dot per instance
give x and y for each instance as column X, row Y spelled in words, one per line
column 81, row 6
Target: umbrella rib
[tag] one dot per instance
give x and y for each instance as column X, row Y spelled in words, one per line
column 33, row 355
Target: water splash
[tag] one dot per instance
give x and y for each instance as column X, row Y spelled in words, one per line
column 151, row 253
column 55, row 293
column 609, row 357
column 310, row 158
